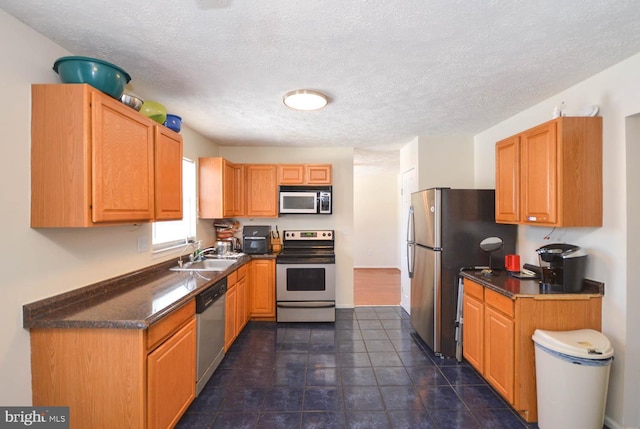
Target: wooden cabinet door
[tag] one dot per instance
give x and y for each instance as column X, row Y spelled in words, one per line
column 499, row 352
column 233, row 190
column 539, row 175
column 318, row 174
column 231, row 304
column 220, row 188
column 508, row 180
column 262, row 190
column 473, row 331
column 263, row 292
column 171, row 378
column 122, row 162
column 168, row 174
column 291, row 174
column 242, row 310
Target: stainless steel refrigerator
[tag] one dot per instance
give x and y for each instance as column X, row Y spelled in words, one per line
column 445, row 229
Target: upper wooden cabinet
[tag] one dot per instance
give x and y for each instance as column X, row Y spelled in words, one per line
column 551, row 174
column 304, row 174
column 168, row 178
column 261, row 190
column 508, row 180
column 220, row 188
column 250, row 190
column 93, row 161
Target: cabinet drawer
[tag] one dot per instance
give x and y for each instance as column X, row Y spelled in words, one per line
column 242, row 271
column 232, row 278
column 499, row 302
column 169, row 324
column 473, row 289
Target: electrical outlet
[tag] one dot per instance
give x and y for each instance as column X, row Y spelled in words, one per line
column 143, row 244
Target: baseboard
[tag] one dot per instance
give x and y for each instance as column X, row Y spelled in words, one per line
column 611, row 424
column 345, row 306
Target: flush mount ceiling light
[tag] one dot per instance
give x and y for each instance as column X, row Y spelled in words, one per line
column 305, row 99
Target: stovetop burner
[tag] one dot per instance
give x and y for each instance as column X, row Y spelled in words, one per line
column 307, row 247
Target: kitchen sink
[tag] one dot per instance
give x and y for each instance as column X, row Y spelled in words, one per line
column 206, row 265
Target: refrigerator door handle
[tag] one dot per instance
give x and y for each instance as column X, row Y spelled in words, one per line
column 411, row 223
column 411, row 259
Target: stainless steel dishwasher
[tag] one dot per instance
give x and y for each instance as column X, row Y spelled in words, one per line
column 210, row 331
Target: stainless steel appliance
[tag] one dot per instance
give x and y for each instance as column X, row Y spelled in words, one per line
column 209, row 332
column 445, row 229
column 305, row 199
column 305, row 277
column 562, row 267
column 256, row 239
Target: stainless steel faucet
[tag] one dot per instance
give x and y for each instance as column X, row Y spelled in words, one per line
column 195, row 245
column 198, row 255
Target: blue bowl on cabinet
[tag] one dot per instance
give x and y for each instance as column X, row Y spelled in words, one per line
column 173, row 122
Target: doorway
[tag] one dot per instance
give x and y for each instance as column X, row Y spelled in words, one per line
column 376, row 286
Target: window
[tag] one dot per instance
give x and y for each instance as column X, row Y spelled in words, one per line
column 173, row 234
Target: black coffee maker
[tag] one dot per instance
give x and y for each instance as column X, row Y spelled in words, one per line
column 563, row 267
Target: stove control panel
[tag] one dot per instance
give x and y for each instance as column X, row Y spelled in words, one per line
column 309, row 235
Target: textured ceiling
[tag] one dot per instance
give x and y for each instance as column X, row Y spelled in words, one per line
column 392, row 69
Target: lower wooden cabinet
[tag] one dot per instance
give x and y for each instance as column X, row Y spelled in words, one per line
column 171, row 378
column 497, row 333
column 473, row 326
column 251, row 294
column 499, row 351
column 231, row 303
column 263, row 288
column 236, row 305
column 118, row 378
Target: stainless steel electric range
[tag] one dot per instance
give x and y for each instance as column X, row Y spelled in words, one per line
column 306, row 277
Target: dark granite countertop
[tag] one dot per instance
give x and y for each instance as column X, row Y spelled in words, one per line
column 130, row 301
column 508, row 285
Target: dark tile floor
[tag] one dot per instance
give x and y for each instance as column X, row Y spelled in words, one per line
column 365, row 371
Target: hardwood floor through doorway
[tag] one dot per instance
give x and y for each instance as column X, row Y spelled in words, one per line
column 376, row 286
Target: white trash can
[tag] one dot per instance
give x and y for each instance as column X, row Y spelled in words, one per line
column 572, row 377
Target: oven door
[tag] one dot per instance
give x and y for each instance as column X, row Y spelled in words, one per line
column 298, row 202
column 305, row 282
column 256, row 245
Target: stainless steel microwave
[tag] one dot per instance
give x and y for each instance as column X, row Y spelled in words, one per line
column 305, row 200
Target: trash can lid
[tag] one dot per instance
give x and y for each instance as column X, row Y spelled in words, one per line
column 583, row 343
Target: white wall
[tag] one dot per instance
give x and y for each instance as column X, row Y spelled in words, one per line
column 617, row 92
column 342, row 218
column 37, row 263
column 445, row 161
column 376, row 201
